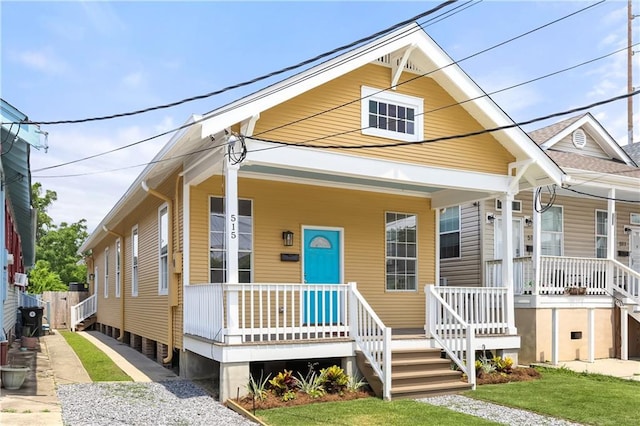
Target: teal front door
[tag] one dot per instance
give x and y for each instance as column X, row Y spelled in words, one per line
column 322, row 265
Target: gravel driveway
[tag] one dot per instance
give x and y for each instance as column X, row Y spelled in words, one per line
column 176, row 402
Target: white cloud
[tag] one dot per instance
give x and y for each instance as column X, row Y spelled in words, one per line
column 41, row 60
column 103, row 18
column 134, row 80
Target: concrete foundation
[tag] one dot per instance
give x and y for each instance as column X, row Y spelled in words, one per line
column 233, row 380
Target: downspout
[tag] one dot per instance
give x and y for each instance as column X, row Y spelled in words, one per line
column 169, row 202
column 120, row 279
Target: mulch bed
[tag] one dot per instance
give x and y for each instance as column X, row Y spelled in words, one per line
column 273, row 401
column 519, row 374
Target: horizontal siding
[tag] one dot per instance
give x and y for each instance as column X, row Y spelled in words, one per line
column 465, row 270
column 590, row 148
column 10, row 313
column 282, row 206
column 479, row 153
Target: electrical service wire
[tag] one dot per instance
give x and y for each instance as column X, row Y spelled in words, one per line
column 256, row 79
column 314, row 115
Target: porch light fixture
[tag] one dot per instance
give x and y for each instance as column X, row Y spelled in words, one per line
column 490, row 218
column 287, row 238
column 627, row 230
column 91, row 277
column 528, row 221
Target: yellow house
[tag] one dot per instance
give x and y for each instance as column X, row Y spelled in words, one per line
column 302, row 223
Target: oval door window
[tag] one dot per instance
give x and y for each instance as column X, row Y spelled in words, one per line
column 320, row 242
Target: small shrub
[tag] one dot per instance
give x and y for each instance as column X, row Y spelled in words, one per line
column 258, row 389
column 334, row 379
column 355, row 383
column 283, row 383
column 289, row 395
column 311, row 384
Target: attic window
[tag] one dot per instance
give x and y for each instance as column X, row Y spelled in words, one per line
column 391, row 115
column 579, row 138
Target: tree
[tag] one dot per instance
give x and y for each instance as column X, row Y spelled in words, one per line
column 57, row 261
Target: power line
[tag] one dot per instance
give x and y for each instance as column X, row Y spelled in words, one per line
column 233, row 106
column 256, row 79
column 603, row 197
column 425, row 141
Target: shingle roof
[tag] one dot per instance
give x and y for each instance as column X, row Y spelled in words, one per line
column 634, row 151
column 542, row 135
column 593, row 164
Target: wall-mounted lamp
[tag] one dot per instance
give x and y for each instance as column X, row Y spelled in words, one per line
column 627, row 230
column 490, row 218
column 528, row 222
column 287, row 238
column 91, row 277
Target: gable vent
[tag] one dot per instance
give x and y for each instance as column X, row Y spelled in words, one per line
column 579, row 138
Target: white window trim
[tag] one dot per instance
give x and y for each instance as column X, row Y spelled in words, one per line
column 634, row 218
column 459, row 231
column 239, row 251
column 561, row 232
column 369, row 93
column 96, row 282
column 406, row 290
column 118, row 266
column 135, row 266
column 106, row 273
column 163, row 290
column 606, row 230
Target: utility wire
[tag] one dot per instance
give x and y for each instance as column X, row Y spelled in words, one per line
column 603, row 197
column 314, row 115
column 425, row 141
column 256, row 79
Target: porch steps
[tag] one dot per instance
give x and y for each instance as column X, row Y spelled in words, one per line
column 415, row 373
column 86, row 323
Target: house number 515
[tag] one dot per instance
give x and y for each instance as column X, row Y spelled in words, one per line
column 233, row 219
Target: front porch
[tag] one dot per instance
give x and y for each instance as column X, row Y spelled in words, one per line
column 235, row 324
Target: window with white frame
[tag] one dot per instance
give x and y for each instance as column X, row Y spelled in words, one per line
column 551, row 231
column 217, row 248
column 118, row 268
column 163, row 249
column 634, row 218
column 391, row 115
column 516, row 205
column 96, row 280
column 601, row 234
column 450, row 233
column 106, row 273
column 134, row 261
column 401, row 251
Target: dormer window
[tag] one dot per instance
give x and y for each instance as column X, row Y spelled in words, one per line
column 579, row 138
column 391, row 115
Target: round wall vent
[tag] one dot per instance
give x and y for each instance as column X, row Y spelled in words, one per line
column 579, row 138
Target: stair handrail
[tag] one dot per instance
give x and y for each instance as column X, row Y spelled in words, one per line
column 632, row 290
column 452, row 333
column 83, row 310
column 371, row 336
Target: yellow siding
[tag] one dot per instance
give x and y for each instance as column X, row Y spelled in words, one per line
column 480, row 153
column 279, row 206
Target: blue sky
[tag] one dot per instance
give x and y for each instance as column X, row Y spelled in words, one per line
column 68, row 60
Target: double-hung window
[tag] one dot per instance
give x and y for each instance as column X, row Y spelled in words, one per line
column 106, row 272
column 450, row 233
column 118, row 268
column 601, row 234
column 134, row 261
column 401, row 251
column 551, row 231
column 163, row 249
column 217, row 248
column 391, row 115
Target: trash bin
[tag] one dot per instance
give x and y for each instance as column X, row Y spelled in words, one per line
column 74, row 286
column 32, row 318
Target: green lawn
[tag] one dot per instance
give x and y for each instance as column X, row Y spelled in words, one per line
column 583, row 398
column 99, row 366
column 367, row 411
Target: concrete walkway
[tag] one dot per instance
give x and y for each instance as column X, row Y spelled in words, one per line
column 609, row 367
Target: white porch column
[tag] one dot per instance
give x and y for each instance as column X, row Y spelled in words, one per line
column 507, row 258
column 624, row 333
column 537, row 244
column 555, row 336
column 611, row 237
column 591, row 323
column 231, row 242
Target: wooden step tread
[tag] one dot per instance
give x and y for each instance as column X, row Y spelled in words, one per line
column 420, row 361
column 425, row 374
column 454, row 386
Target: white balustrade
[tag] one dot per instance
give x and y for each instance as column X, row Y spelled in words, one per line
column 83, row 310
column 483, row 308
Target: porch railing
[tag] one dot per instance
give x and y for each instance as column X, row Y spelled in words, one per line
column 560, row 274
column 483, row 308
column 372, row 337
column 83, row 310
column 31, row 300
column 452, row 332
